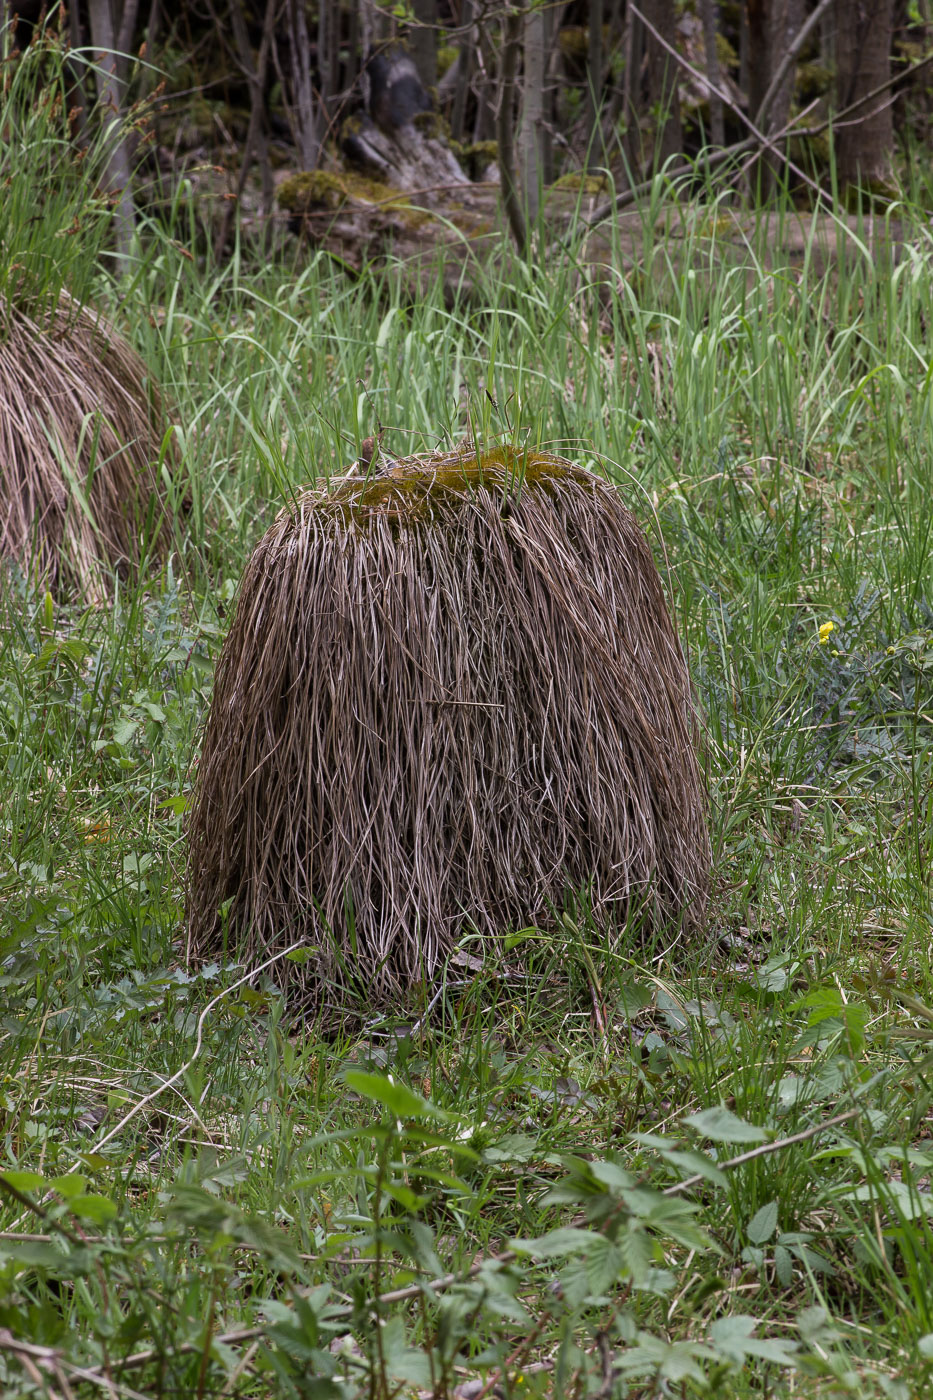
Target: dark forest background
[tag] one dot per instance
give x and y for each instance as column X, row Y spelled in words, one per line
column 425, row 96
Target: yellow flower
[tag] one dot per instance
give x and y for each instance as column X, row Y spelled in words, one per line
column 825, row 631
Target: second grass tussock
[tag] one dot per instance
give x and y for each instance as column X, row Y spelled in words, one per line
column 451, row 694
column 81, row 431
column 82, row 424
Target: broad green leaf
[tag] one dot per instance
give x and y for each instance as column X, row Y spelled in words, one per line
column 513, row 1147
column 783, row 1265
column 32, row 1254
column 67, row 1186
column 694, row 1164
column 521, row 935
column 124, row 731
column 668, row 1215
column 24, row 1181
column 672, row 1361
column 734, row 1337
column 401, row 1101
column 637, row 1251
column 404, row 1195
column 603, row 1264
column 763, row 1223
column 556, row 1243
column 634, row 998
column 178, row 804
column 97, row 1208
column 608, row 1174
column 720, row 1125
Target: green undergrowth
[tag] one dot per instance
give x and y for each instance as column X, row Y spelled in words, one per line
column 581, row 1166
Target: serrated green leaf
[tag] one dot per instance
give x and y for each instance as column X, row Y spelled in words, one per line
column 603, row 1264
column 672, row 1361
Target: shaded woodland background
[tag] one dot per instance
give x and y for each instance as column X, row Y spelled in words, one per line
column 401, row 108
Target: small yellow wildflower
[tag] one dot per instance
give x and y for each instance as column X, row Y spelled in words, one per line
column 825, row 631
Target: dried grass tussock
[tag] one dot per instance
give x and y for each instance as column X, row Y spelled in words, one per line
column 81, row 429
column 451, row 693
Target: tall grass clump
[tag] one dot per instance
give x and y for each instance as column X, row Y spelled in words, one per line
column 451, row 694
column 83, row 430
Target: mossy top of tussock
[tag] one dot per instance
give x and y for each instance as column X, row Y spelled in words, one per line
column 417, row 489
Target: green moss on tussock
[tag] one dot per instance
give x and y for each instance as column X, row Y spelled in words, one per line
column 414, row 488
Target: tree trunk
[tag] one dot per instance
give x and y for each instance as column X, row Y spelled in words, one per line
column 631, row 93
column 865, row 140
column 489, row 62
column 256, row 146
column 465, row 66
column 758, row 32
column 530, row 131
column 772, row 28
column 595, row 65
column 505, row 126
column 109, row 72
column 663, row 97
column 717, row 126
column 328, row 62
column 422, row 40
column 304, row 118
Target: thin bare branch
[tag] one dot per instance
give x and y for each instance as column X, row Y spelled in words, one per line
column 767, row 142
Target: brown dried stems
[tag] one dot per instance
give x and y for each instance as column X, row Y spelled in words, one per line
column 451, row 694
column 81, row 429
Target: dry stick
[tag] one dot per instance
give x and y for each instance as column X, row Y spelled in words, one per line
column 764, row 1150
column 138, row 1107
column 837, row 119
column 28, row 1354
column 440, row 1285
column 800, row 38
column 244, row 1364
column 768, row 142
column 631, row 196
column 635, row 192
